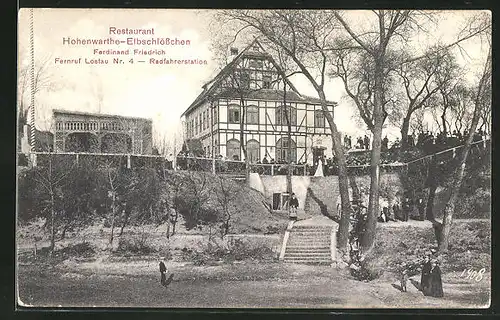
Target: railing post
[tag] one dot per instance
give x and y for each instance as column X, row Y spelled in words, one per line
column 129, row 164
column 272, row 169
column 77, row 159
column 213, row 165
column 305, row 167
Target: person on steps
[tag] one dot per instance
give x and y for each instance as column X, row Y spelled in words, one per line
column 294, row 204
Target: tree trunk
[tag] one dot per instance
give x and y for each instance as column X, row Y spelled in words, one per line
column 289, row 151
column 174, row 222
column 460, row 170
column 52, row 227
column 123, row 225
column 113, row 212
column 429, row 209
column 368, row 236
column 338, row 151
column 354, row 186
column 404, row 131
column 432, row 184
column 242, row 136
column 443, row 116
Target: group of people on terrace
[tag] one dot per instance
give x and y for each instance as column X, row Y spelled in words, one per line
column 362, row 143
column 425, row 142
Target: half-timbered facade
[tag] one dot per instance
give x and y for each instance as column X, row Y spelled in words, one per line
column 250, row 106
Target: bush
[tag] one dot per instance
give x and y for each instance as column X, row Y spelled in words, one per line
column 138, row 244
column 235, row 249
column 82, row 249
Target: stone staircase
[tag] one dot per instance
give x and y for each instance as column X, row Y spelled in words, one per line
column 310, row 241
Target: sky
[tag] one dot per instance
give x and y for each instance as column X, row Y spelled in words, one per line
column 159, row 92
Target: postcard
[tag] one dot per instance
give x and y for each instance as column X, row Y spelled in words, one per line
column 179, row 158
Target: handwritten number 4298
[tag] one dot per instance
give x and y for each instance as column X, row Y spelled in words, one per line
column 473, row 274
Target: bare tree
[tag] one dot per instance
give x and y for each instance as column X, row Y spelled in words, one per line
column 225, row 196
column 373, row 47
column 376, row 47
column 482, row 101
column 52, row 177
column 43, row 79
column 423, row 79
column 303, row 36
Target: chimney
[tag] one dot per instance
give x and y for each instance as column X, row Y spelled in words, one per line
column 234, row 51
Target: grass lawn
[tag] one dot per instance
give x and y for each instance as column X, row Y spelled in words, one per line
column 102, row 278
column 249, row 284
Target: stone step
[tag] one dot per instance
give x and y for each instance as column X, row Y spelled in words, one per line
column 301, row 261
column 299, row 247
column 306, row 250
column 310, row 234
column 307, row 255
column 309, row 240
column 311, row 228
column 311, row 243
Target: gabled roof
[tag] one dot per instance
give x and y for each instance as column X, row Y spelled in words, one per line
column 210, row 86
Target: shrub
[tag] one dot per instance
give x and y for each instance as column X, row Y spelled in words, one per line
column 82, row 249
column 137, row 244
column 234, row 250
column 272, row 229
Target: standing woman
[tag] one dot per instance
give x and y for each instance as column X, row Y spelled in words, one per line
column 425, row 280
column 436, row 282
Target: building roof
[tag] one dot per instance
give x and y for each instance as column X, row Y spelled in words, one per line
column 268, row 94
column 274, row 95
column 98, row 115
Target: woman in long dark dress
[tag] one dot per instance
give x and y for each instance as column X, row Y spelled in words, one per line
column 425, row 280
column 436, row 282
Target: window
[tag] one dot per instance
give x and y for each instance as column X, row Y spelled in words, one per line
column 266, row 82
column 244, row 80
column 253, row 115
column 196, row 125
column 215, row 115
column 256, row 64
column 282, row 150
column 233, row 149
column 233, row 113
column 286, row 112
column 253, row 148
column 319, row 119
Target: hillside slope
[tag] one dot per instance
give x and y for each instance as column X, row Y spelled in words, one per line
column 249, row 209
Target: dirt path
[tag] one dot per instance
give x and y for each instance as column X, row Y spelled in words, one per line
column 273, row 286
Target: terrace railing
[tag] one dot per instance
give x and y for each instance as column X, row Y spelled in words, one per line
column 233, row 167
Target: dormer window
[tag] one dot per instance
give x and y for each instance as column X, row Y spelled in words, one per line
column 266, row 82
column 256, row 64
